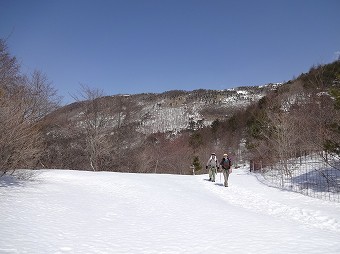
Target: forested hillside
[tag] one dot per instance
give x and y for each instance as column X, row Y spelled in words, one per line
column 105, row 132
column 165, row 132
column 300, row 117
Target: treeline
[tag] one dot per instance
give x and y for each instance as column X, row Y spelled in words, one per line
column 24, row 101
column 299, row 118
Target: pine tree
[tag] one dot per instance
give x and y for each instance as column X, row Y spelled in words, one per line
column 196, row 163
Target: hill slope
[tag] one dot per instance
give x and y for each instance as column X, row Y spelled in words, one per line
column 107, row 133
column 172, row 110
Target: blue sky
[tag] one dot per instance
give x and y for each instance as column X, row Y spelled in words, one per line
column 136, row 46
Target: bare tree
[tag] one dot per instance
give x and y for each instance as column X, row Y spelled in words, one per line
column 93, row 122
column 42, row 95
column 24, row 101
column 19, row 135
column 9, row 71
column 162, row 154
column 277, row 131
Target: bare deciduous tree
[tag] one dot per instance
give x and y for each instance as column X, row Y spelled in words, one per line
column 24, row 101
column 93, row 122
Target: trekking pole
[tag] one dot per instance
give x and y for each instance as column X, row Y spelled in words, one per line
column 220, row 177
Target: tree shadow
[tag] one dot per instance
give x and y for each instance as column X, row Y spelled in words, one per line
column 322, row 180
column 10, row 181
column 18, row 179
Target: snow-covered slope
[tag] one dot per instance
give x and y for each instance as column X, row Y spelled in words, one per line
column 174, row 111
column 87, row 212
column 170, row 111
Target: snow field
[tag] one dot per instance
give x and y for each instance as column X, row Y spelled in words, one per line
column 279, row 203
column 65, row 211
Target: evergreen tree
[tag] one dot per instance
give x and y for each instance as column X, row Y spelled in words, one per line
column 196, row 163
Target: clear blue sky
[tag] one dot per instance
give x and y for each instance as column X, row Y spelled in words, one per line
column 135, row 46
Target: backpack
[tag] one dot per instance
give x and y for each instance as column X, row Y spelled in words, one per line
column 213, row 162
column 226, row 164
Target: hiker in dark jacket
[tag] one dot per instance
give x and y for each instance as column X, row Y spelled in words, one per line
column 212, row 165
column 226, row 168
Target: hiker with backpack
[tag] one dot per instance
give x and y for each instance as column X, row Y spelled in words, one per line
column 226, row 168
column 212, row 165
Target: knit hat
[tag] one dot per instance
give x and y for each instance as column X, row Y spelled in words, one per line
column 225, row 155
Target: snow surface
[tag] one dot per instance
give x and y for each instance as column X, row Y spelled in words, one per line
column 63, row 211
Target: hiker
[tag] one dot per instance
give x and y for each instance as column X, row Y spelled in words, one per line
column 212, row 165
column 226, row 168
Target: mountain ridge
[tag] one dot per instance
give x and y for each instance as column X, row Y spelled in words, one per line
column 174, row 110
